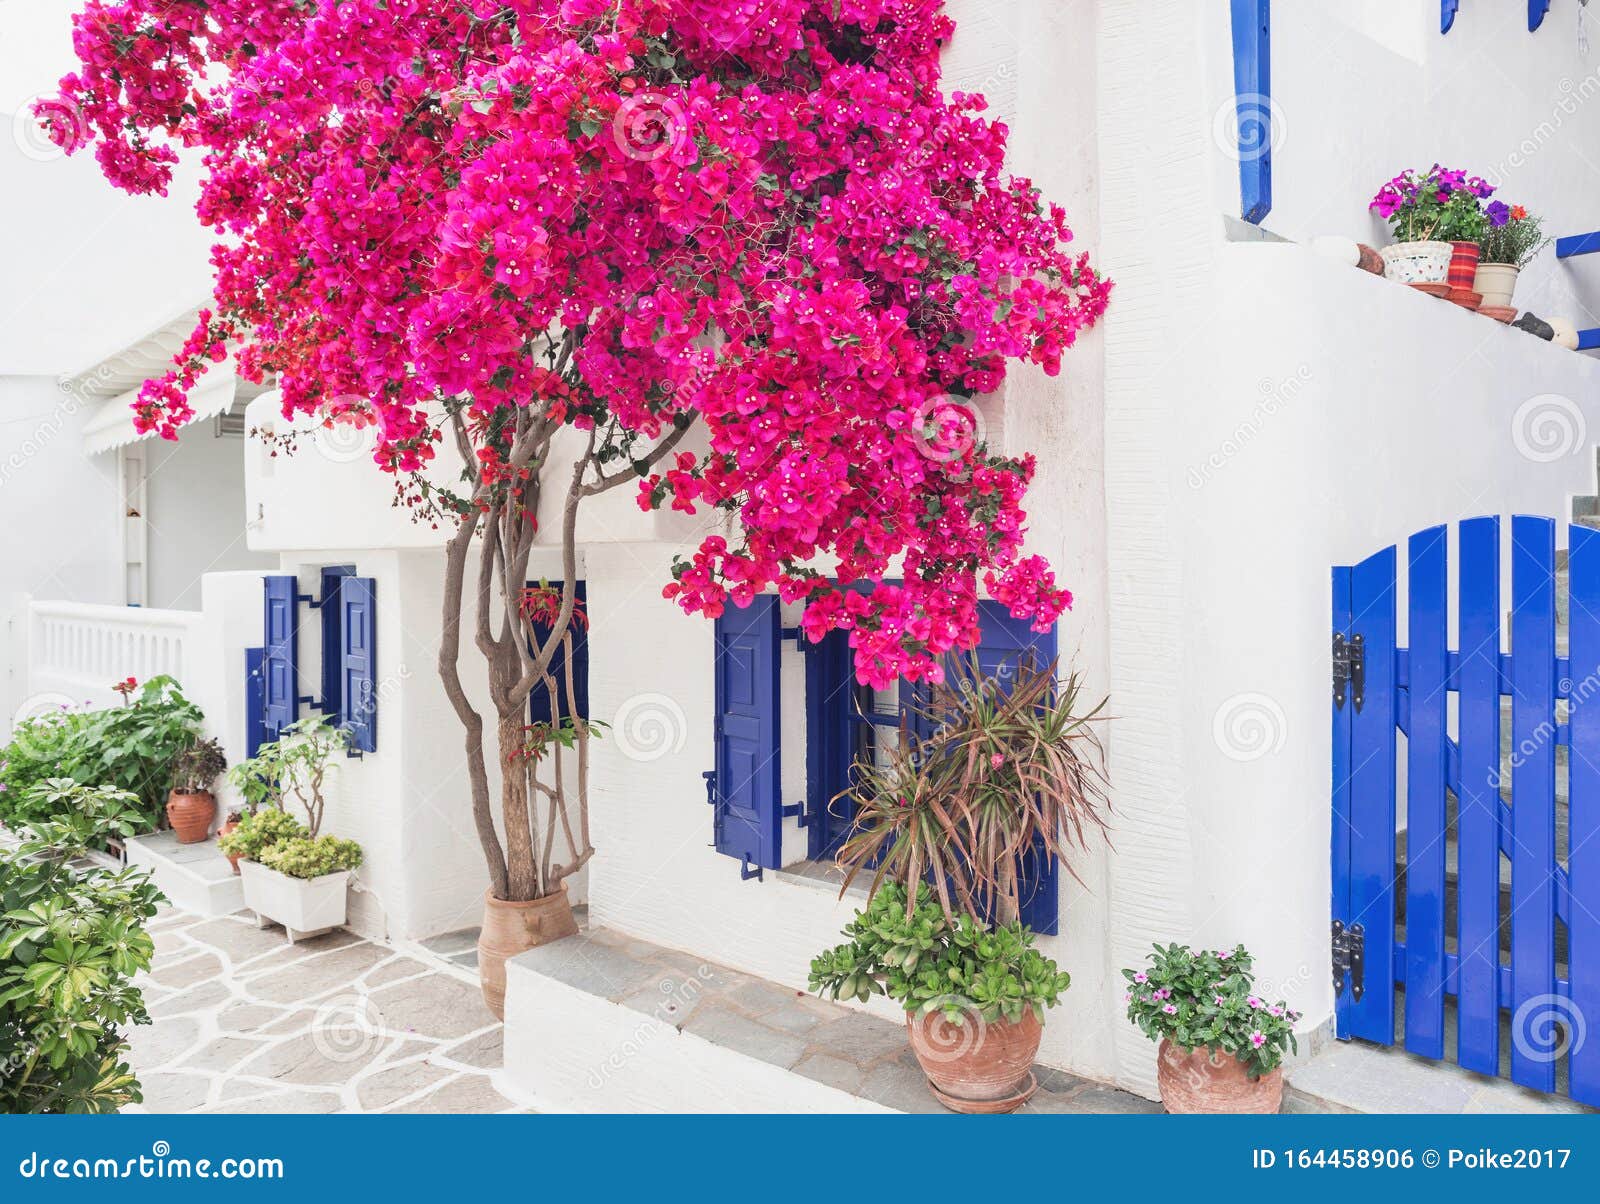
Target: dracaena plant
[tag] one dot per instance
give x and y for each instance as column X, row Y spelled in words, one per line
column 733, row 264
column 1207, row 999
column 906, row 947
column 1012, row 764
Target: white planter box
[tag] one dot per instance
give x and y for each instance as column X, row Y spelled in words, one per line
column 304, row 906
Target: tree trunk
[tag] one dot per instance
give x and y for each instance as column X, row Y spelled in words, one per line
column 522, row 857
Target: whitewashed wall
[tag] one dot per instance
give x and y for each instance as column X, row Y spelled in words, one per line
column 195, row 514
column 1271, row 414
column 1364, row 89
column 53, row 540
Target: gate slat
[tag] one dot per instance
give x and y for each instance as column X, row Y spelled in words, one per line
column 1583, row 803
column 1533, row 787
column 1478, row 801
column 1372, row 795
column 1427, row 607
column 1340, row 824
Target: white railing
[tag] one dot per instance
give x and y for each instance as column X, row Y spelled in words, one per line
column 77, row 651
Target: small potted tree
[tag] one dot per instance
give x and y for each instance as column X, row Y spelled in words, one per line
column 191, row 806
column 1513, row 238
column 293, row 874
column 944, row 823
column 1222, row 1045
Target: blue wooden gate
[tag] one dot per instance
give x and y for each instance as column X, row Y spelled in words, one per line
column 1466, row 803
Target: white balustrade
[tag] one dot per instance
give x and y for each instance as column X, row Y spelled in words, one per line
column 78, row 651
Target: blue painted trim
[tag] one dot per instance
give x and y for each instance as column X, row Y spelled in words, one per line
column 1447, row 14
column 255, row 730
column 1578, row 244
column 332, row 702
column 1536, row 11
column 1252, row 98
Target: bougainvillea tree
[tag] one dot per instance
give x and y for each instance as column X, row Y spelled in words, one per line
column 735, row 254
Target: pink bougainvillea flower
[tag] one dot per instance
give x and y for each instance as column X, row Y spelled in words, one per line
column 781, row 230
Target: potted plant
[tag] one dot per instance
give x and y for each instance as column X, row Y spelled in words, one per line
column 293, row 874
column 1222, row 1044
column 190, row 805
column 944, row 823
column 1513, row 238
column 974, row 993
column 1437, row 219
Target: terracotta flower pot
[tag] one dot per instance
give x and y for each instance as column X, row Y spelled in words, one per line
column 977, row 1067
column 226, row 827
column 190, row 815
column 1207, row 1080
column 513, row 928
column 1496, row 281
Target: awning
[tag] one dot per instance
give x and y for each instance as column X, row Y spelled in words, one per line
column 111, row 424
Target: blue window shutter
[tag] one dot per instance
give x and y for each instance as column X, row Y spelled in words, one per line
column 358, row 629
column 255, row 731
column 280, row 653
column 745, row 791
column 332, row 613
column 1004, row 643
column 539, row 698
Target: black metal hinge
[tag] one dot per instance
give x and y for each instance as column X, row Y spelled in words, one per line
column 1349, row 958
column 1349, row 669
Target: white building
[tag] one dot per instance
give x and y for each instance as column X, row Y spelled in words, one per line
column 1249, row 414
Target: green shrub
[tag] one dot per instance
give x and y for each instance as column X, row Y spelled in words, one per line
column 307, row 857
column 1209, row 999
column 46, row 746
column 72, row 939
column 925, row 961
column 130, row 746
column 260, row 830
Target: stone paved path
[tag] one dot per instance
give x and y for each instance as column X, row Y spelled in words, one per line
column 246, row 1022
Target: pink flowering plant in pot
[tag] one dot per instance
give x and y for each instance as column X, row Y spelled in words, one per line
column 1429, row 213
column 1222, row 1043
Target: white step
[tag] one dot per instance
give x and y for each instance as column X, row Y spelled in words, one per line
column 195, row 877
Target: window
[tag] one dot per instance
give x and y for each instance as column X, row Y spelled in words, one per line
column 539, row 709
column 844, row 722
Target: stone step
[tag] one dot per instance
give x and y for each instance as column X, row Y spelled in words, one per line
column 1355, row 1076
column 195, row 877
column 604, row 1022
